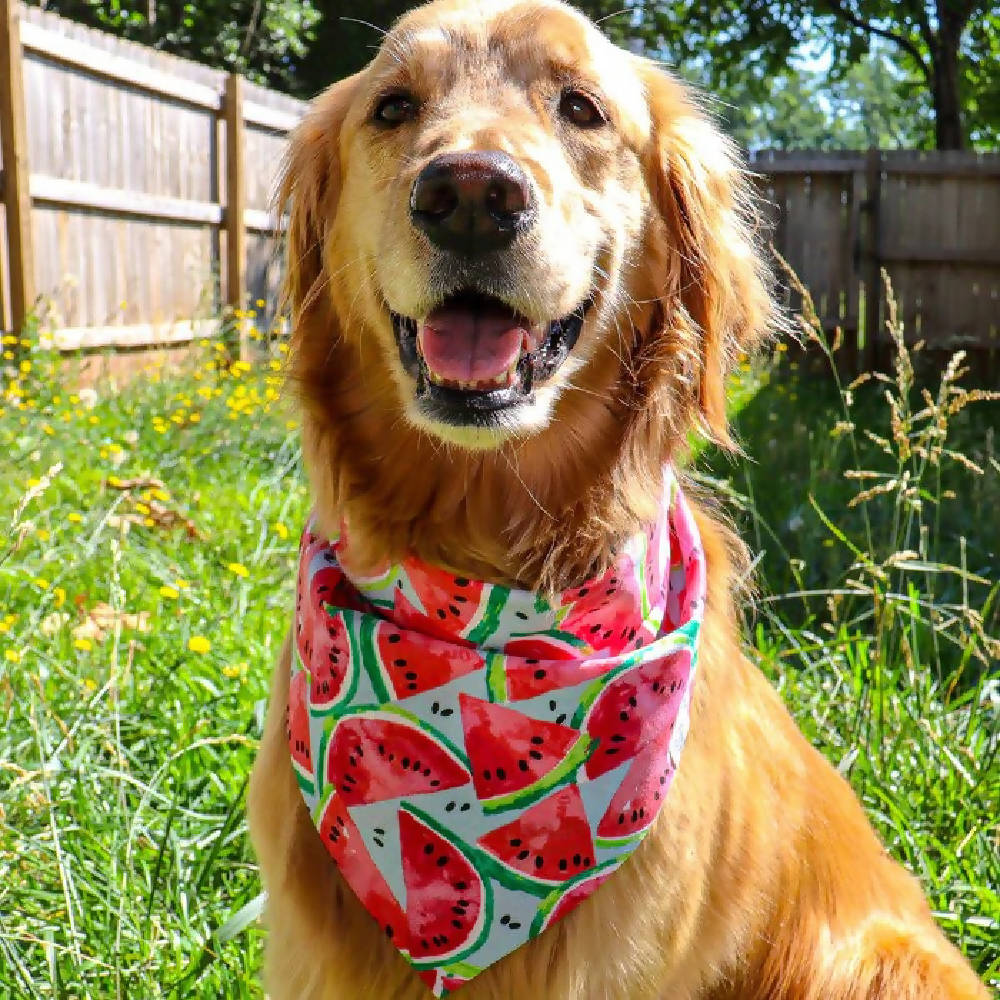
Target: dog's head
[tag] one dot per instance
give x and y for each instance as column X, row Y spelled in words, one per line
column 508, row 234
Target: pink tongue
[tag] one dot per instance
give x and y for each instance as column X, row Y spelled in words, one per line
column 466, row 345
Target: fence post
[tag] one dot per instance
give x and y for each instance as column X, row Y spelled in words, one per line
column 872, row 259
column 14, row 145
column 236, row 234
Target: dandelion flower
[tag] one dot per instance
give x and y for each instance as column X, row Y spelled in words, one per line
column 199, row 644
column 169, row 592
column 12, row 656
column 74, row 517
column 238, row 569
column 83, row 644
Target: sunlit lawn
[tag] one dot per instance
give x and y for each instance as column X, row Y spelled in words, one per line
column 146, row 576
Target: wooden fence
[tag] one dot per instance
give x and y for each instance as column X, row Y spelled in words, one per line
column 931, row 220
column 136, row 185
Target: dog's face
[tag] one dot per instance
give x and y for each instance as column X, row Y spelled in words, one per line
column 504, row 210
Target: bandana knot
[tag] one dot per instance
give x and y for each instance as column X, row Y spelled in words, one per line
column 479, row 759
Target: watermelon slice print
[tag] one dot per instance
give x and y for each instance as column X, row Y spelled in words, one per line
column 637, row 802
column 449, row 908
column 347, row 848
column 412, row 663
column 516, row 678
column 376, row 755
column 607, row 613
column 550, row 842
column 564, row 900
column 331, row 659
column 635, row 704
column 297, row 731
column 515, row 759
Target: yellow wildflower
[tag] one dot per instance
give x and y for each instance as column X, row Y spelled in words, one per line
column 60, row 596
column 169, row 592
column 239, row 569
column 74, row 517
column 12, row 655
column 199, row 644
column 281, row 530
column 83, row 644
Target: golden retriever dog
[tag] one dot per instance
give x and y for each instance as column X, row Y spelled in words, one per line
column 501, row 159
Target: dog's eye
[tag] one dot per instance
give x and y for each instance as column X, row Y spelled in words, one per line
column 395, row 109
column 582, row 110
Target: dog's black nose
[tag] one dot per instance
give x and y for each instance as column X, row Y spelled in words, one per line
column 471, row 203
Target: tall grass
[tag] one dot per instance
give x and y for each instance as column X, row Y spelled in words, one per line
column 146, row 568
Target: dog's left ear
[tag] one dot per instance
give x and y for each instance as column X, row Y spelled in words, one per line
column 717, row 295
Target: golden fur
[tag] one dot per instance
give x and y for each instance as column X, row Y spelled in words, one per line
column 762, row 879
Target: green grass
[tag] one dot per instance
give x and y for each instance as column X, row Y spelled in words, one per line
column 124, row 754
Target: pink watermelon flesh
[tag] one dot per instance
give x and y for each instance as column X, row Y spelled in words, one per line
column 416, row 666
column 531, row 677
column 326, row 654
column 297, row 724
column 509, row 751
column 347, row 848
column 607, row 613
column 407, row 616
column 376, row 757
column 450, row 602
column 637, row 802
column 550, row 842
column 445, row 896
column 542, row 648
column 635, row 707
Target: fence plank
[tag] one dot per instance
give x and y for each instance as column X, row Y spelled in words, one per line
column 55, row 191
column 236, row 234
column 14, row 150
column 81, row 56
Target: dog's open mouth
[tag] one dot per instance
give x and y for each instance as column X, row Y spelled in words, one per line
column 473, row 355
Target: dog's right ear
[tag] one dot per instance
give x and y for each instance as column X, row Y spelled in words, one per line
column 309, row 190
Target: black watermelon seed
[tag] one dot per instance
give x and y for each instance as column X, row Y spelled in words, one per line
column 395, row 637
column 516, row 842
column 461, row 581
column 515, row 926
column 539, row 862
column 442, row 861
column 563, row 864
column 505, row 919
column 428, row 849
column 523, row 855
column 522, row 764
column 534, row 754
column 537, row 740
column 501, row 773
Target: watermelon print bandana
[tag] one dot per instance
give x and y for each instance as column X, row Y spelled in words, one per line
column 478, row 759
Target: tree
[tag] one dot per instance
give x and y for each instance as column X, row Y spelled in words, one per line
column 263, row 39
column 950, row 45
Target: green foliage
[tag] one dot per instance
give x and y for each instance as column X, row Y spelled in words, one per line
column 263, row 39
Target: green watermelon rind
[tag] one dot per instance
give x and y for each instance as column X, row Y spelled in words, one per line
column 397, row 713
column 349, row 689
column 553, row 899
column 489, row 620
column 496, row 678
column 616, row 843
column 371, row 661
column 486, row 913
column 563, row 773
column 558, row 634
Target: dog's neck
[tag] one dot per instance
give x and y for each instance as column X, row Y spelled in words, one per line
column 542, row 514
